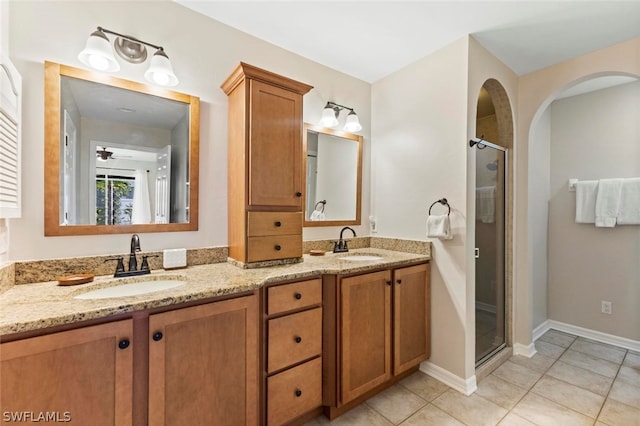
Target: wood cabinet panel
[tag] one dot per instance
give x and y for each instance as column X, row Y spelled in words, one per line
column 273, row 223
column 294, row 338
column 274, row 247
column 294, row 392
column 275, row 147
column 411, row 322
column 204, row 367
column 81, row 373
column 365, row 332
column 288, row 297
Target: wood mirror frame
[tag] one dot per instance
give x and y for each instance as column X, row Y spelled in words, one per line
column 358, row 190
column 52, row 227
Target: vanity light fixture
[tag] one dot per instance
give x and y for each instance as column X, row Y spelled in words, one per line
column 330, row 117
column 98, row 55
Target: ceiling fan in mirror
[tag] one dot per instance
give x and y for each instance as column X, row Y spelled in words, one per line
column 104, row 154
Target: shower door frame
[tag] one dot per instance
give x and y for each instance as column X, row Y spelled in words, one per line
column 488, row 356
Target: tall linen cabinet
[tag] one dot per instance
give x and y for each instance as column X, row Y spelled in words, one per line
column 265, row 181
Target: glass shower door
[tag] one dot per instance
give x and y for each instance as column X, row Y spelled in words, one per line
column 490, row 250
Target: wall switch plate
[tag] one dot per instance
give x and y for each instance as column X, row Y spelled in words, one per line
column 174, row 258
column 606, row 307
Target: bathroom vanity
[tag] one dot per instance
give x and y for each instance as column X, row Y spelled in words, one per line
column 231, row 346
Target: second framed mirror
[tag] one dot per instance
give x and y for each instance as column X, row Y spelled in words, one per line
column 333, row 177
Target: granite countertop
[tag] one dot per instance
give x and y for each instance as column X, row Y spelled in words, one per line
column 36, row 306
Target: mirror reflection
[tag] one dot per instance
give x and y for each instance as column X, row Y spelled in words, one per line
column 333, row 173
column 125, row 156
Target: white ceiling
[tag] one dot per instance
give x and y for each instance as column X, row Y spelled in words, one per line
column 372, row 39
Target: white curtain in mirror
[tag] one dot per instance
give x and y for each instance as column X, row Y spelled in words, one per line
column 141, row 211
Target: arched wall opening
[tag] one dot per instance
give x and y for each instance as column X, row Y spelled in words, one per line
column 585, row 133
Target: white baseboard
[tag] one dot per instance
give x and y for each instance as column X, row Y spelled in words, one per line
column 524, row 350
column 486, row 307
column 540, row 330
column 463, row 386
column 598, row 336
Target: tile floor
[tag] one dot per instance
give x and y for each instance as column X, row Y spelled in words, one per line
column 570, row 381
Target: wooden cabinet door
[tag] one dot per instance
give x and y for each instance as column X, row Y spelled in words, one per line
column 411, row 317
column 275, row 147
column 203, row 364
column 79, row 377
column 365, row 318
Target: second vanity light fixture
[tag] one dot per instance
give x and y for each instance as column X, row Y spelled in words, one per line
column 98, row 55
column 330, row 117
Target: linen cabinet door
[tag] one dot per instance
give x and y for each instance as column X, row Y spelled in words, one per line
column 203, row 364
column 77, row 377
column 411, row 322
column 365, row 329
column 275, row 147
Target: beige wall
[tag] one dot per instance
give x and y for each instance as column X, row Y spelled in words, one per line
column 203, row 53
column 535, row 92
column 594, row 136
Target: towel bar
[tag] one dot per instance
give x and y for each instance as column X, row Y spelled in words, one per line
column 442, row 201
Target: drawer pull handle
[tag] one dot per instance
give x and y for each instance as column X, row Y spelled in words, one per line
column 298, row 296
column 278, row 224
column 123, row 344
column 298, row 194
column 298, row 393
column 157, row 336
column 278, row 247
column 298, row 339
column 389, row 283
column 399, row 281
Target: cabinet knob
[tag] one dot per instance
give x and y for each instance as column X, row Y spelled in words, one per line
column 298, row 393
column 298, row 339
column 124, row 343
column 399, row 281
column 278, row 247
column 298, row 296
column 278, row 224
column 157, row 336
column 389, row 283
column 298, row 194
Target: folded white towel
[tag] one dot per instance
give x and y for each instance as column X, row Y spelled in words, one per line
column 608, row 202
column 586, row 191
column 317, row 215
column 629, row 209
column 439, row 227
column 486, row 204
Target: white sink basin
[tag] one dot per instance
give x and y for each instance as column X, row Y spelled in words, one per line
column 361, row 257
column 132, row 289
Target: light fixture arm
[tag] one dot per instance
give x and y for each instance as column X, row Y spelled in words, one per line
column 136, row 40
column 337, row 107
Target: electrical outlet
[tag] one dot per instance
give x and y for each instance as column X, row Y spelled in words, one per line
column 606, row 307
column 372, row 224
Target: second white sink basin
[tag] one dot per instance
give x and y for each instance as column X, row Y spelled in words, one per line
column 132, row 289
column 361, row 257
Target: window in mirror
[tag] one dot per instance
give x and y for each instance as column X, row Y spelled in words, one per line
column 121, row 156
column 333, row 174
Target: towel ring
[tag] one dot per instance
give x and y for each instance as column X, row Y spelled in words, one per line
column 442, row 201
column 323, row 202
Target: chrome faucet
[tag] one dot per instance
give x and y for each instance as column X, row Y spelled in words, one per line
column 341, row 245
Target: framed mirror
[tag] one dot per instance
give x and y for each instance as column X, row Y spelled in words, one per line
column 333, row 176
column 120, row 156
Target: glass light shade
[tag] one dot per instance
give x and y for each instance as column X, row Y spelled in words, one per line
column 328, row 117
column 160, row 71
column 98, row 54
column 352, row 124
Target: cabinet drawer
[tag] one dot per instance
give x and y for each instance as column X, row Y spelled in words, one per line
column 293, row 296
column 274, row 247
column 260, row 224
column 294, row 338
column 294, row 392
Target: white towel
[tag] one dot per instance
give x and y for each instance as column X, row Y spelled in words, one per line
column 608, row 202
column 317, row 215
column 629, row 210
column 486, row 204
column 439, row 227
column 586, row 191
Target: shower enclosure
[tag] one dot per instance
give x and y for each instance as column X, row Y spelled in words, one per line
column 490, row 249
